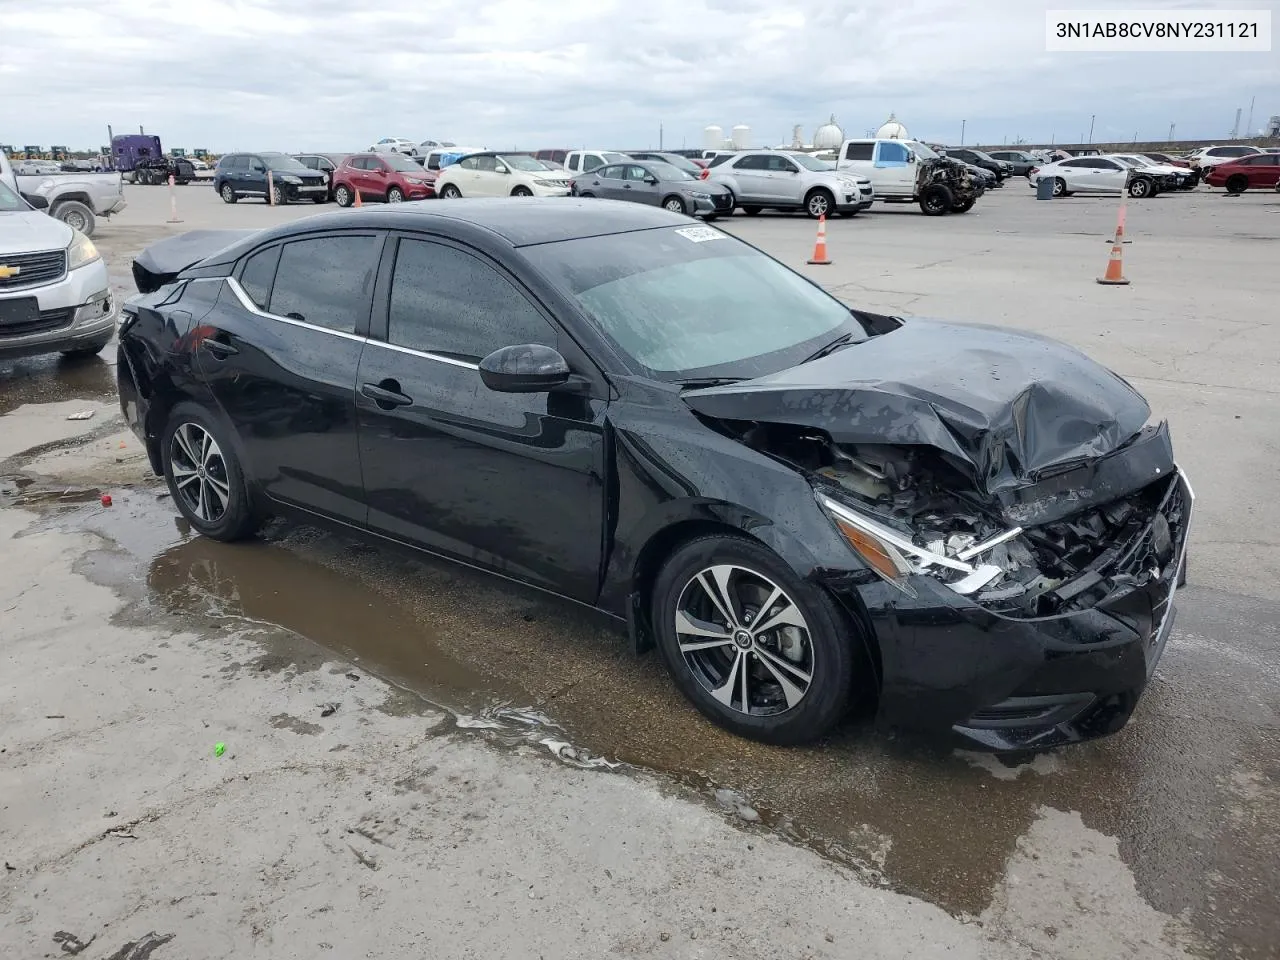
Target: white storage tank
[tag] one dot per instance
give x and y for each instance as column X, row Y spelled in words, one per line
column 713, row 138
column 829, row 136
column 742, row 137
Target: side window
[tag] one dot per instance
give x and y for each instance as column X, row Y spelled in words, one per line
column 470, row 163
column 636, row 174
column 449, row 302
column 610, row 173
column 859, row 151
column 312, row 162
column 239, row 163
column 256, row 165
column 356, row 163
column 590, row 162
column 326, row 281
column 780, row 165
column 557, row 156
column 752, row 161
column 1270, row 160
column 487, row 164
column 258, row 273
column 889, row 152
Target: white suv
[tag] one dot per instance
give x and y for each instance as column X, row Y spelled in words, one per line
column 1207, row 157
column 771, row 179
column 54, row 293
column 501, row 175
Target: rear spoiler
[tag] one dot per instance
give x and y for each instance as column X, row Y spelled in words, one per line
column 163, row 261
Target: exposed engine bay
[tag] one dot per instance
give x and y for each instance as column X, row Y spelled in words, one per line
column 1066, row 565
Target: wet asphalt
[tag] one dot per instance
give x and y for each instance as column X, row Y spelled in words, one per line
column 1191, row 788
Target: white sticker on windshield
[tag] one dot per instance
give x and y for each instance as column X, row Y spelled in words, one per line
column 701, row 234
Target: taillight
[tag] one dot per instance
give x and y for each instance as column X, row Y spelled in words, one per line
column 706, row 172
column 1034, row 171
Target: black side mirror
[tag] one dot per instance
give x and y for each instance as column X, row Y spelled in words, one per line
column 651, row 181
column 527, row 368
column 38, row 202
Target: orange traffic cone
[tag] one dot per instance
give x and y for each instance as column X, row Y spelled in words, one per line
column 357, row 202
column 1115, row 269
column 819, row 257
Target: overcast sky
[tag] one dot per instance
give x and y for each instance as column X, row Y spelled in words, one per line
column 339, row 74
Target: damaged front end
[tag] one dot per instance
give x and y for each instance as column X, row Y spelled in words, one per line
column 1021, row 526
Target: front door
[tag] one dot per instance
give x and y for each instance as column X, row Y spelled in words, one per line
column 281, row 353
column 782, row 179
column 255, row 182
column 894, row 167
column 508, row 481
column 637, row 187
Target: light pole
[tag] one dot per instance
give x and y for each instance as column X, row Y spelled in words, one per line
column 1092, row 117
column 962, row 123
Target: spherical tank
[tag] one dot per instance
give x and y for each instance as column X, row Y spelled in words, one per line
column 891, row 129
column 713, row 137
column 829, row 136
column 741, row 137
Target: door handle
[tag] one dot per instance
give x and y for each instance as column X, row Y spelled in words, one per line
column 386, row 394
column 220, row 349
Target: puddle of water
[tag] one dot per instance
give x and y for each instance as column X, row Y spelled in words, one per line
column 50, row 379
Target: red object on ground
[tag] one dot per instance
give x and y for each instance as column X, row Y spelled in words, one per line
column 106, row 499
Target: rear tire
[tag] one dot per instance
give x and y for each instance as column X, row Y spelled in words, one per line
column 228, row 195
column 206, row 480
column 1237, row 183
column 450, row 192
column 75, row 215
column 803, row 680
column 343, row 196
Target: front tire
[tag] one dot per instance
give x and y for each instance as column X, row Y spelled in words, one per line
column 75, row 215
column 819, row 203
column 522, row 191
column 785, row 684
column 674, row 204
column 1141, row 188
column 395, row 195
column 278, row 197
column 751, row 211
column 450, row 192
column 204, row 476
column 1060, row 187
column 936, row 200
column 1237, row 183
column 964, row 206
column 228, row 195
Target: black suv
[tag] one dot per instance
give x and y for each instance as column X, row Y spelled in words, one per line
column 274, row 177
column 1001, row 168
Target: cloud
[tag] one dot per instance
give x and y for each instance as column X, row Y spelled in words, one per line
column 336, row 74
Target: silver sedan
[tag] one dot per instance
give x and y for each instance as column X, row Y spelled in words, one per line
column 657, row 183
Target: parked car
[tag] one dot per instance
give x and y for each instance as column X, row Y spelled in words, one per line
column 37, row 168
column 773, row 180
column 675, row 159
column 554, row 155
column 1096, row 175
column 426, row 146
column 382, row 177
column 1021, row 161
column 908, row 171
column 324, row 163
column 1001, row 168
column 1167, row 160
column 55, row 295
column 501, row 175
column 77, row 199
column 1169, row 178
column 584, row 161
column 1207, row 157
column 245, row 175
column 442, row 157
column 803, row 506
column 394, row 145
column 986, row 177
column 1258, row 172
column 656, row 183
column 198, row 164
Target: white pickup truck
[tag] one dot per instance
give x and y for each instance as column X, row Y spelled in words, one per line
column 77, row 199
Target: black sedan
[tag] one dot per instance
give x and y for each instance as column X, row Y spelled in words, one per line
column 804, row 507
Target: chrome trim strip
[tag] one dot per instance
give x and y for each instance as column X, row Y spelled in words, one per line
column 254, row 309
column 425, row 355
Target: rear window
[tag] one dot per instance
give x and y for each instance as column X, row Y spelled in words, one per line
column 859, row 151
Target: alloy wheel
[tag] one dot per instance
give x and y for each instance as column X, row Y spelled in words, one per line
column 75, row 220
column 818, row 205
column 199, row 472
column 744, row 640
column 674, row 205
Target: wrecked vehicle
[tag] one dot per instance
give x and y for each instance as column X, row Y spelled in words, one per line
column 805, row 508
column 908, row 171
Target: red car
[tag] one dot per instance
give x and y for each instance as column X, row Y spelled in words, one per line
column 382, row 177
column 1262, row 170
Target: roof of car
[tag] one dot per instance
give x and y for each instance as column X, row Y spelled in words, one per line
column 532, row 220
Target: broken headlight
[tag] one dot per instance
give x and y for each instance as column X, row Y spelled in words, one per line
column 894, row 556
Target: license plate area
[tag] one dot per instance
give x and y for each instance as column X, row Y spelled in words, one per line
column 19, row 311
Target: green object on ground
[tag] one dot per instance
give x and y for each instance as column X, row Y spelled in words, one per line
column 219, row 749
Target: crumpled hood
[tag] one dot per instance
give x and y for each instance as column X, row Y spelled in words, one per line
column 1007, row 403
column 161, row 262
column 32, row 231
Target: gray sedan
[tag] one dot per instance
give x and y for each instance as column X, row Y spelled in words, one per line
column 657, row 183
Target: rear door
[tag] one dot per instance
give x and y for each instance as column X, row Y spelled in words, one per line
column 281, row 353
column 748, row 173
column 607, row 182
column 509, row 481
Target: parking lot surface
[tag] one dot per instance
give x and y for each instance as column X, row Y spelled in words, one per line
column 454, row 799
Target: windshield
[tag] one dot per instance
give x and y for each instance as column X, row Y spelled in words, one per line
column 811, row 163
column 1135, row 161
column 682, row 163
column 686, row 302
column 920, row 150
column 615, row 157
column 980, row 155
column 10, row 202
column 518, row 162
column 665, row 171
column 398, row 161
column 278, row 161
